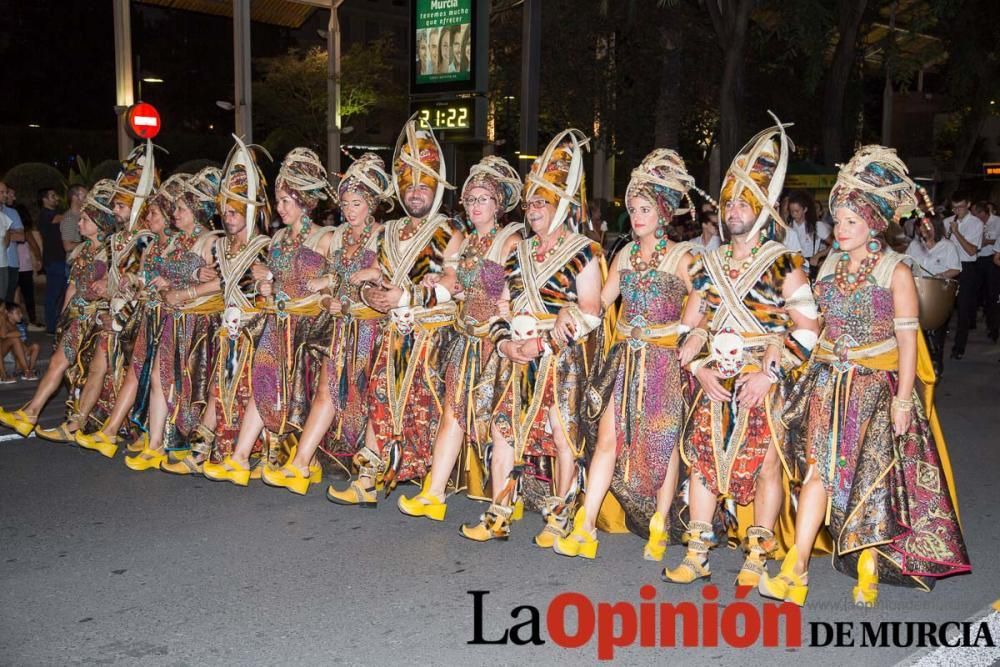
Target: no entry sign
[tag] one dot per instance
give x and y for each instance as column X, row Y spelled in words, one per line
column 142, row 121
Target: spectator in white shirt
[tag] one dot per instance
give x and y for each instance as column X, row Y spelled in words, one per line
column 807, row 234
column 934, row 258
column 708, row 240
column 989, row 273
column 966, row 232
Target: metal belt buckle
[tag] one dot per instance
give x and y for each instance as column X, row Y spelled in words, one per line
column 841, row 350
column 640, row 328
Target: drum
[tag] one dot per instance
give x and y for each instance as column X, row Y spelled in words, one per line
column 937, row 298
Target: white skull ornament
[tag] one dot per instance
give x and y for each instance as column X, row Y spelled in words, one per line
column 727, row 352
column 232, row 319
column 523, row 327
column 403, row 319
column 118, row 305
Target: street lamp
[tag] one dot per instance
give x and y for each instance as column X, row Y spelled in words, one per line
column 224, row 105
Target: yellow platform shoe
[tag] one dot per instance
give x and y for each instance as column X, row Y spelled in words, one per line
column 355, row 494
column 182, row 463
column 288, row 477
column 229, row 470
column 424, row 503
column 147, row 459
column 61, row 433
column 98, row 442
column 581, row 542
column 656, row 545
column 19, row 421
column 865, row 594
column 758, row 545
column 786, row 586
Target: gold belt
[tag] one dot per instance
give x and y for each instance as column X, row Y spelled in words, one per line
column 660, row 335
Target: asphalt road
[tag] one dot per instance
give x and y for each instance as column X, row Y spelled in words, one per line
column 102, row 565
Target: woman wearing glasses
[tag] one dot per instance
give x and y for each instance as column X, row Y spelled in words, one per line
column 532, row 389
column 492, row 188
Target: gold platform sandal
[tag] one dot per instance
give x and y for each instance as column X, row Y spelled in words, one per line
column 787, row 586
column 759, row 544
column 695, row 564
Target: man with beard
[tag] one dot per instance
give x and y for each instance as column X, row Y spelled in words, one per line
column 760, row 322
column 413, row 285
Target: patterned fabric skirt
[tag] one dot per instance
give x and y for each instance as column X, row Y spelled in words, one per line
column 405, row 395
column 231, row 387
column 726, row 445
column 349, row 354
column 893, row 497
column 650, row 394
column 281, row 372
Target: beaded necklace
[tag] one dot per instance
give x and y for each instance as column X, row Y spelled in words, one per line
column 542, row 256
column 646, row 271
column 848, row 282
column 734, row 273
column 283, row 251
column 362, row 241
column 410, row 229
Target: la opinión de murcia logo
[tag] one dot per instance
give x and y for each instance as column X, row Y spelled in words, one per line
column 739, row 624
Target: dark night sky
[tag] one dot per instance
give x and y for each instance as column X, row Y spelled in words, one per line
column 58, row 70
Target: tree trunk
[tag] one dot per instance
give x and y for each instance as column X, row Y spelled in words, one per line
column 850, row 15
column 670, row 103
column 731, row 20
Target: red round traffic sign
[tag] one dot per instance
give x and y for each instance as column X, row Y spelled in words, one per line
column 142, row 121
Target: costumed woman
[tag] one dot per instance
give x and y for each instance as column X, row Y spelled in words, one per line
column 760, row 322
column 492, row 189
column 406, row 387
column 80, row 329
column 864, row 439
column 245, row 211
column 156, row 216
column 640, row 387
column 297, row 254
column 533, row 387
column 179, row 370
column 345, row 338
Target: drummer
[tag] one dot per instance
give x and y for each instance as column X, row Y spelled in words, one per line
column 934, row 258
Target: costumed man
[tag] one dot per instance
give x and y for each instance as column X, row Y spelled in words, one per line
column 245, row 210
column 760, row 323
column 533, row 388
column 406, row 387
column 106, row 372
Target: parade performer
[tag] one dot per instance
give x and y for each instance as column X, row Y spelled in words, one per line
column 492, row 189
column 345, row 338
column 297, row 254
column 145, row 321
column 179, row 370
column 105, row 371
column 760, row 323
column 533, row 387
column 865, row 442
column 80, row 329
column 245, row 210
column 406, row 386
column 639, row 394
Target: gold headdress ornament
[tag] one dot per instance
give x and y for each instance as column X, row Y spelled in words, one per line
column 557, row 175
column 495, row 174
column 418, row 156
column 875, row 184
column 304, row 176
column 662, row 177
column 757, row 175
column 367, row 177
column 243, row 185
column 137, row 180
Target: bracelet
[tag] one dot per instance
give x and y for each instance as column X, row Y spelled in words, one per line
column 541, row 348
column 698, row 333
column 901, row 404
column 329, row 280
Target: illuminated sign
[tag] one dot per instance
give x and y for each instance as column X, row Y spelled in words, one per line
column 446, row 52
column 458, row 115
column 991, row 171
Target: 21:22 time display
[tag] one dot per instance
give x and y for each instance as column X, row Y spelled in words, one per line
column 447, row 117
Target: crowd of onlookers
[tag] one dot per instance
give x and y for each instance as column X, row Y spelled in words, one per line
column 30, row 249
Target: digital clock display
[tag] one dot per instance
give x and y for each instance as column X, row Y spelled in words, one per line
column 456, row 116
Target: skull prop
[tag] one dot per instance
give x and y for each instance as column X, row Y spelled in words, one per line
column 119, row 313
column 727, row 352
column 523, row 327
column 231, row 320
column 403, row 319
